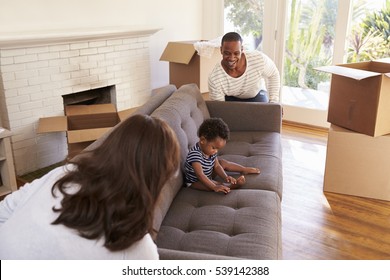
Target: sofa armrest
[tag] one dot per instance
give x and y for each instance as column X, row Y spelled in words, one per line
column 167, row 254
column 248, row 116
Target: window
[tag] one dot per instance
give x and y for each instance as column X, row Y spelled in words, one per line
column 311, row 33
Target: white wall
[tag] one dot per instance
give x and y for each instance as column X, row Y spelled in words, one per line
column 32, row 15
column 178, row 20
column 212, row 19
column 182, row 20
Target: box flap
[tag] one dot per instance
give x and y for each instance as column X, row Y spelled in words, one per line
column 73, row 110
column 52, row 124
column 83, row 135
column 178, row 52
column 126, row 113
column 78, row 122
column 380, row 67
column 356, row 74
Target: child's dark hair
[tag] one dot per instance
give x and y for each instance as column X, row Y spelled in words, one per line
column 212, row 128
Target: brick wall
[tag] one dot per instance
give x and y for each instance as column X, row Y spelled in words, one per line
column 34, row 78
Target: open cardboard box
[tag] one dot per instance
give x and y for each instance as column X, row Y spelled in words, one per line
column 186, row 66
column 357, row 164
column 83, row 124
column 360, row 97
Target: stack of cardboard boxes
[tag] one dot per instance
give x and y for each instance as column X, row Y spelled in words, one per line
column 358, row 151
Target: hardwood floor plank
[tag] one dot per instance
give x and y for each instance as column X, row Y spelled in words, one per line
column 330, row 226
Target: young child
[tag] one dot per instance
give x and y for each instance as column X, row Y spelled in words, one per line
column 202, row 161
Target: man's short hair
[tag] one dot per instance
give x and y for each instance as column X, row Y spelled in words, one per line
column 231, row 37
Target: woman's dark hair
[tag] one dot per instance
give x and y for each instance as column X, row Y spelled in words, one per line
column 119, row 183
column 231, row 37
column 212, row 128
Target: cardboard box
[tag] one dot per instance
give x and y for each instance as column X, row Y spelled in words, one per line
column 360, row 97
column 186, row 66
column 83, row 124
column 357, row 164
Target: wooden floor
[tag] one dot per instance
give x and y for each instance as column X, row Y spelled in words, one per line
column 318, row 225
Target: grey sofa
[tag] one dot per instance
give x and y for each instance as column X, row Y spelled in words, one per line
column 246, row 223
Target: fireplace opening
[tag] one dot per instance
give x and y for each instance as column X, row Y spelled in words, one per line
column 104, row 95
column 89, row 114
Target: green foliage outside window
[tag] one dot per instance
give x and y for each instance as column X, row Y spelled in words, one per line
column 247, row 15
column 370, row 39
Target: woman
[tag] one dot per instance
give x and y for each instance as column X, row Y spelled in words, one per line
column 99, row 206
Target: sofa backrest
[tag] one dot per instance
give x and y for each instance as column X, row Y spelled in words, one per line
column 184, row 111
column 158, row 96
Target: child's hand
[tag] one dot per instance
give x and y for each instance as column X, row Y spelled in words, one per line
column 230, row 179
column 222, row 188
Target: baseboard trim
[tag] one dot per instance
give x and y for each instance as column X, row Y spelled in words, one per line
column 304, row 126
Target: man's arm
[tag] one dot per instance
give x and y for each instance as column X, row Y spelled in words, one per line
column 214, row 91
column 272, row 78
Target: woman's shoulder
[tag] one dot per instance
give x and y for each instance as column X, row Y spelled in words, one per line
column 40, row 184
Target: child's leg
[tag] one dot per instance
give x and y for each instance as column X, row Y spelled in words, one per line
column 199, row 186
column 230, row 166
column 235, row 167
column 240, row 181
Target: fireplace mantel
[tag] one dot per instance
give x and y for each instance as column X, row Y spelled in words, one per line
column 28, row 39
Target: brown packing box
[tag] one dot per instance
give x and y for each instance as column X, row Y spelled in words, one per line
column 360, row 97
column 83, row 124
column 357, row 164
column 186, row 66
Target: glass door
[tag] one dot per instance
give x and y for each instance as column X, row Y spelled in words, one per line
column 309, row 43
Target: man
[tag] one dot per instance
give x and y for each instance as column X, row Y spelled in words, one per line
column 240, row 76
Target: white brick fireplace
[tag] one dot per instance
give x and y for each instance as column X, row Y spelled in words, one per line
column 36, row 70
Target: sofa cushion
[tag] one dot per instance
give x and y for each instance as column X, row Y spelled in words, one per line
column 257, row 149
column 243, row 224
